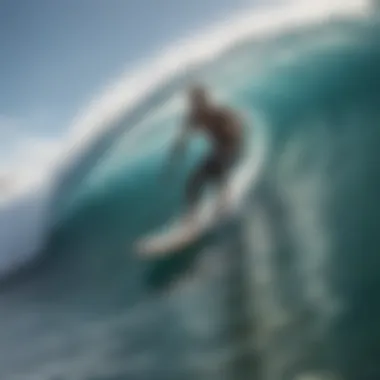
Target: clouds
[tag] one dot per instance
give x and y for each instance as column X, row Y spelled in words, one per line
column 25, row 159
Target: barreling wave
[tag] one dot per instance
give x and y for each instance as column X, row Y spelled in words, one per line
column 127, row 103
column 279, row 286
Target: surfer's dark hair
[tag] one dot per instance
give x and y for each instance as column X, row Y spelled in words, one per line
column 197, row 91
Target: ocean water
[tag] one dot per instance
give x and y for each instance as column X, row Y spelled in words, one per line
column 288, row 290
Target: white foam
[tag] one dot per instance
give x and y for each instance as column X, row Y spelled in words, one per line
column 23, row 228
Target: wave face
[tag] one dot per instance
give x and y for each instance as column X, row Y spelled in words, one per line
column 288, row 291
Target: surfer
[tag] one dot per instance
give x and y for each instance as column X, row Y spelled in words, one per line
column 224, row 129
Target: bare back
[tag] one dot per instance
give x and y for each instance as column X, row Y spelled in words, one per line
column 220, row 124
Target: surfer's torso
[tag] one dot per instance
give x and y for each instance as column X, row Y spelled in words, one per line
column 220, row 124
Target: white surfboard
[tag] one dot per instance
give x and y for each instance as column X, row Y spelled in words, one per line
column 180, row 233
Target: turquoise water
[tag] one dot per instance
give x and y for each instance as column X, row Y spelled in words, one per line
column 288, row 289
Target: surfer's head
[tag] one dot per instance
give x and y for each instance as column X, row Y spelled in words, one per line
column 198, row 96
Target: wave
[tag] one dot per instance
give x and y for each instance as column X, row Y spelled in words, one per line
column 127, row 103
column 290, row 280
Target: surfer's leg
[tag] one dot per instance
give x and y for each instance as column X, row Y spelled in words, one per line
column 206, row 173
column 193, row 191
column 222, row 179
column 222, row 193
column 195, row 185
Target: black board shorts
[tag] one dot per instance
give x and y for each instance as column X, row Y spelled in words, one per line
column 220, row 162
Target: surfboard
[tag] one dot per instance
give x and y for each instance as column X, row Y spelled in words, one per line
column 183, row 231
column 179, row 234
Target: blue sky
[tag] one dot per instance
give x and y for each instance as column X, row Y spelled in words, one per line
column 56, row 55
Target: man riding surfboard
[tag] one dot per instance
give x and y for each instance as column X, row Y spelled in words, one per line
column 224, row 129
